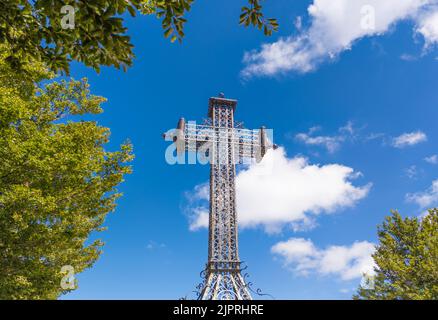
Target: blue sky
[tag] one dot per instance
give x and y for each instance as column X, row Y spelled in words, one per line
column 370, row 107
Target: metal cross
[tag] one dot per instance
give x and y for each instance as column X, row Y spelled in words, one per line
column 224, row 144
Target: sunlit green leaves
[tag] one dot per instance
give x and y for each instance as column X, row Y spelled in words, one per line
column 98, row 39
column 171, row 14
column 57, row 180
column 253, row 15
column 33, row 29
column 406, row 259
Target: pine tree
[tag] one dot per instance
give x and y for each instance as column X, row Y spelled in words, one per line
column 406, row 259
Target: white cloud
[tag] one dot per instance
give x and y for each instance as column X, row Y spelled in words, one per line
column 408, row 57
column 428, row 27
column 375, row 136
column 292, row 193
column 331, row 143
column 198, row 218
column 152, row 245
column 346, row 290
column 298, row 23
column 426, row 199
column 335, row 26
column 409, row 139
column 433, row 159
column 345, row 262
column 411, row 172
column 348, row 128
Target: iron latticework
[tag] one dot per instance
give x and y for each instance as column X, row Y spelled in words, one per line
column 225, row 146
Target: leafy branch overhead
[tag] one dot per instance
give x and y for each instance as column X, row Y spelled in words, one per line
column 253, row 15
column 172, row 15
column 33, row 29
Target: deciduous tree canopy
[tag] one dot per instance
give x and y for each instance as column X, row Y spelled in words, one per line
column 57, row 181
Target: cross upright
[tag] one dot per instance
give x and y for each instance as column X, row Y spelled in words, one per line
column 225, row 143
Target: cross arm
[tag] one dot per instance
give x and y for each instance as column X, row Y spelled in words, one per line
column 246, row 143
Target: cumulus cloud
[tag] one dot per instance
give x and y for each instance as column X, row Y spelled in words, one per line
column 409, row 139
column 292, row 192
column 298, row 23
column 428, row 27
column 335, row 25
column 198, row 218
column 433, row 159
column 303, row 258
column 425, row 199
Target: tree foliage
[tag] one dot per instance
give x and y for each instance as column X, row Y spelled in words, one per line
column 172, row 15
column 33, row 29
column 253, row 15
column 406, row 259
column 57, row 182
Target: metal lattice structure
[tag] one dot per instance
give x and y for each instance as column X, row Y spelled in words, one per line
column 225, row 146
